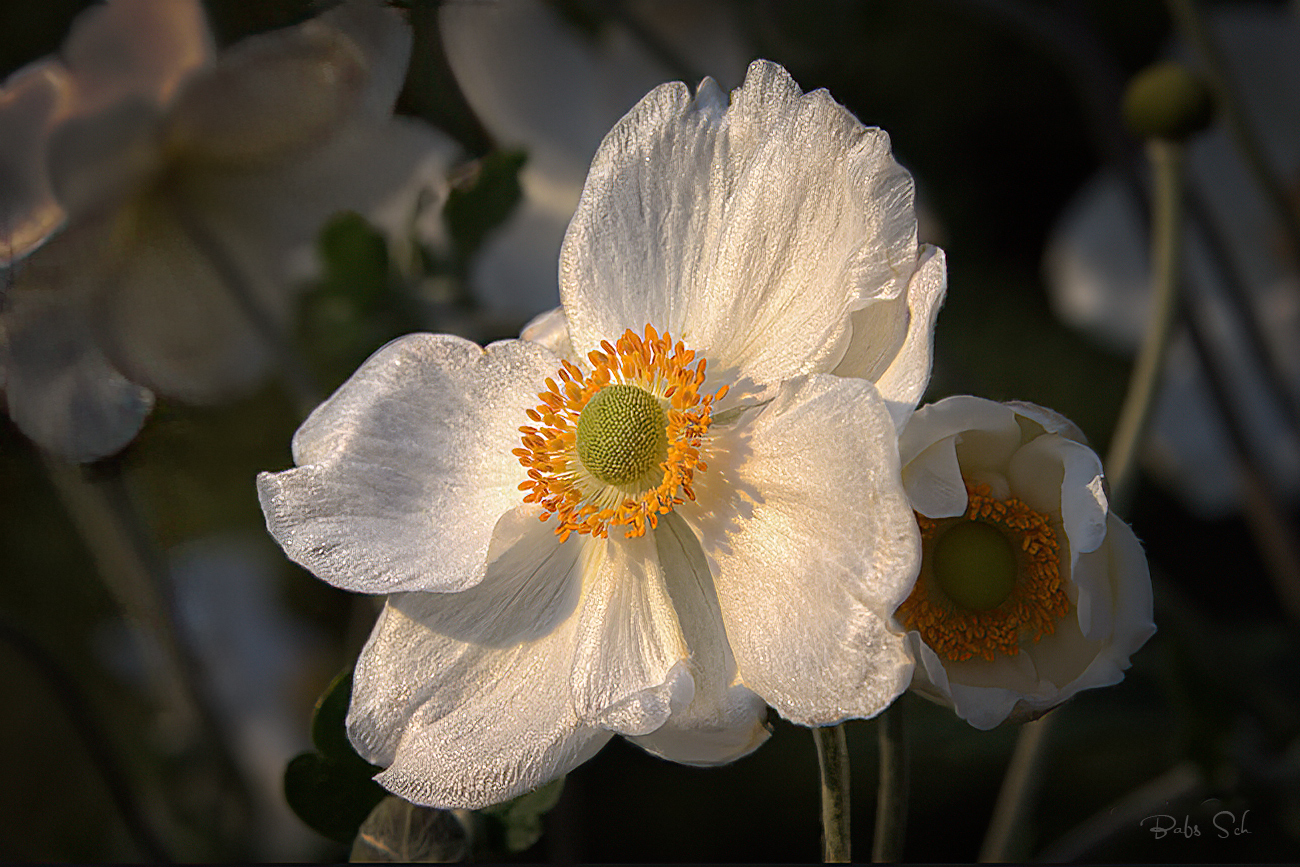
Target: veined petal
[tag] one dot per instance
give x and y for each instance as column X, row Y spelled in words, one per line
column 465, row 695
column 628, row 670
column 752, row 232
column 813, row 545
column 404, row 472
column 724, row 719
column 551, row 330
column 895, row 348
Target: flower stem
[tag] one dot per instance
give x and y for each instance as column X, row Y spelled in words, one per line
column 891, row 796
column 1166, row 230
column 833, row 762
column 1019, row 786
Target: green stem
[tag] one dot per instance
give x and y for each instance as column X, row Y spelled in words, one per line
column 1166, row 231
column 891, row 796
column 1005, row 838
column 833, row 762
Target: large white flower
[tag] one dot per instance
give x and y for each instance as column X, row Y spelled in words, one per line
column 723, row 521
column 1098, row 272
column 1030, row 589
column 184, row 177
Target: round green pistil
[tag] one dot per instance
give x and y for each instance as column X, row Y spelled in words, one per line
column 975, row 565
column 622, row 434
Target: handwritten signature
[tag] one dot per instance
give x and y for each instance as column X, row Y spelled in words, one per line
column 1226, row 824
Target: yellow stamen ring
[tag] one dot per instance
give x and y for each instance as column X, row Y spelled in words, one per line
column 1032, row 608
column 614, row 492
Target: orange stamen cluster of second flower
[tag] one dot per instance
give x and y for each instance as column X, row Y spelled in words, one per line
column 557, row 478
column 1032, row 609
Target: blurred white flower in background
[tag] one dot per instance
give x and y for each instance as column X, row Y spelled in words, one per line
column 539, row 83
column 1030, row 589
column 1098, row 273
column 185, row 177
column 692, row 508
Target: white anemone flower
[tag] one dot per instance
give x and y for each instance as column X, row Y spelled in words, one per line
column 539, row 83
column 1099, row 274
column 184, row 178
column 723, row 524
column 1030, row 589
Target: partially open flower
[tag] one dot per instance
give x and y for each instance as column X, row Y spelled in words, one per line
column 1030, row 590
column 676, row 504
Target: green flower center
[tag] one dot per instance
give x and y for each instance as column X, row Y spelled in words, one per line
column 975, row 565
column 622, row 434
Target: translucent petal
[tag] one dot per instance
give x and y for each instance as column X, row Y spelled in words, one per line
column 751, row 231
column 626, row 672
column 798, row 515
column 893, row 347
column 724, row 720
column 462, row 723
column 404, row 472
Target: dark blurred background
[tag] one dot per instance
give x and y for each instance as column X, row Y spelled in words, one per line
column 1002, row 109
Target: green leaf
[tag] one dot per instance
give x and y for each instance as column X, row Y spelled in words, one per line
column 517, row 824
column 355, row 258
column 483, row 200
column 399, row 831
column 331, row 797
column 329, row 725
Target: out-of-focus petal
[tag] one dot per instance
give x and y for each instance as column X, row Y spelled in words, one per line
column 781, row 212
column 30, row 101
column 60, row 390
column 415, row 449
column 140, row 49
column 807, row 601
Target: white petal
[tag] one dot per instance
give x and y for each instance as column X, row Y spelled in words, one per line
column 61, row 391
column 802, row 511
column 955, row 440
column 1050, row 420
column 1050, row 473
column 29, row 102
column 893, row 340
column 551, row 330
column 136, row 48
column 751, row 232
column 724, row 720
column 462, row 723
column 405, row 471
column 628, row 672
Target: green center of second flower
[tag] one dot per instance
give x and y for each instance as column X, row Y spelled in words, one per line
column 622, row 434
column 975, row 565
